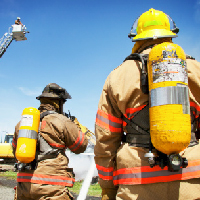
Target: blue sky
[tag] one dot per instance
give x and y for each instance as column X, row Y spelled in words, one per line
column 76, row 44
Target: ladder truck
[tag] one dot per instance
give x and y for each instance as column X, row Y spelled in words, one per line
column 15, row 32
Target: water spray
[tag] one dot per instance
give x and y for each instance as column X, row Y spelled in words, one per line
column 87, row 181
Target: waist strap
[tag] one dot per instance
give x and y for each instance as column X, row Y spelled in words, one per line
column 138, row 129
column 137, row 140
column 46, row 151
column 193, row 140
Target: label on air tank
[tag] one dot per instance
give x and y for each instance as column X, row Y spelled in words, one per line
column 171, row 69
column 26, row 120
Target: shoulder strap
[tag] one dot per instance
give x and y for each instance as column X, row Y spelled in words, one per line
column 137, row 56
column 137, row 129
column 42, row 115
column 46, row 151
column 144, row 76
column 189, row 57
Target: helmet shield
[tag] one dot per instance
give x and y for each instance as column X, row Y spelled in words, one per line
column 54, row 91
column 133, row 31
column 151, row 25
column 173, row 26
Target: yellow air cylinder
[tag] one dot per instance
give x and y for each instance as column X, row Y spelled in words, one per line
column 27, row 138
column 170, row 126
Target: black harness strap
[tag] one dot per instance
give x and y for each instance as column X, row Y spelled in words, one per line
column 46, row 151
column 42, row 115
column 189, row 57
column 135, row 126
column 138, row 129
column 143, row 72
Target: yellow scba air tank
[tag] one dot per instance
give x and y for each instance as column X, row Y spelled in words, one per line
column 27, row 138
column 170, row 126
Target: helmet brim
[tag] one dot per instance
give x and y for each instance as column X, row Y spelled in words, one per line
column 53, row 96
column 54, row 91
column 154, row 34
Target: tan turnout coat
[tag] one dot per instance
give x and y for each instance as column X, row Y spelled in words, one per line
column 122, row 92
column 52, row 176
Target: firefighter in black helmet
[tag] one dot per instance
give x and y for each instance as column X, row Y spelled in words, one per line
column 57, row 132
column 55, row 93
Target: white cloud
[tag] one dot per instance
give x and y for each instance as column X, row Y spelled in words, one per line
column 30, row 92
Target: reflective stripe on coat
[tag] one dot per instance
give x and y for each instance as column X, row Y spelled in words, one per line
column 106, row 173
column 45, row 179
column 77, row 144
column 109, row 122
column 147, row 175
column 143, row 174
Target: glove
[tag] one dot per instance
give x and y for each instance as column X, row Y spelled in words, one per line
column 109, row 194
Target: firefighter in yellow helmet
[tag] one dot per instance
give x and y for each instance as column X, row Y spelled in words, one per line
column 48, row 176
column 123, row 144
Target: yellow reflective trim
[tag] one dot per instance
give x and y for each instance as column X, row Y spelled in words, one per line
column 152, row 23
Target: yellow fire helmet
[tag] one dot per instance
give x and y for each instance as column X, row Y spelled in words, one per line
column 153, row 24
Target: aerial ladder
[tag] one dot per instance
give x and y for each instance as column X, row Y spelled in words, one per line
column 15, row 32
